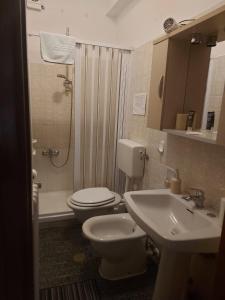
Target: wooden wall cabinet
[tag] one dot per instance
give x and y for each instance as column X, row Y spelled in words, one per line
column 158, row 77
column 179, row 75
column 178, row 82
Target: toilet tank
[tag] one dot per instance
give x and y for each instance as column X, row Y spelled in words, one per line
column 130, row 158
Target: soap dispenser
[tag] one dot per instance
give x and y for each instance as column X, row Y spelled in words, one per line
column 175, row 183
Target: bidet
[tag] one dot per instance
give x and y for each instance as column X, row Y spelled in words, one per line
column 120, row 243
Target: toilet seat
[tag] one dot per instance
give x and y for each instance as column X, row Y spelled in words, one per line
column 92, row 197
column 77, row 207
column 89, row 205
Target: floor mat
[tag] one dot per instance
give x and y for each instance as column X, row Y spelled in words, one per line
column 86, row 290
column 66, row 257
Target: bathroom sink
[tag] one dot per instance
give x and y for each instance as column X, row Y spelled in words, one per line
column 173, row 222
column 179, row 229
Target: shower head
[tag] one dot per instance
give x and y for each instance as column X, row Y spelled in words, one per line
column 62, row 76
column 67, row 83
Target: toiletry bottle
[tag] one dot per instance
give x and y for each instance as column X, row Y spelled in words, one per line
column 175, row 184
column 210, row 120
column 190, row 120
column 167, row 183
column 181, row 121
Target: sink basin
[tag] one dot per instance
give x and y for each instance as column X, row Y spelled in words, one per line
column 172, row 222
column 179, row 229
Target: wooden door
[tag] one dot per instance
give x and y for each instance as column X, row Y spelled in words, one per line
column 158, row 76
column 16, row 266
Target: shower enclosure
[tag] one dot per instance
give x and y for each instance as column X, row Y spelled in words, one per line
column 78, row 114
column 52, row 127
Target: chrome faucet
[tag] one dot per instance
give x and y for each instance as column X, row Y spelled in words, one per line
column 197, row 196
column 50, row 152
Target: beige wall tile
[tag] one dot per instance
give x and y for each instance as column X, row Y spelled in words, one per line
column 50, row 110
column 201, row 165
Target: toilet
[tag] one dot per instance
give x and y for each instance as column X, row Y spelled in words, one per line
column 121, row 244
column 115, row 236
column 97, row 201
column 92, row 202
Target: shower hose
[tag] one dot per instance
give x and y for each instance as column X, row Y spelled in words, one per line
column 70, row 135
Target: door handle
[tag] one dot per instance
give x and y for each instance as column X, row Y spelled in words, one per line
column 161, row 84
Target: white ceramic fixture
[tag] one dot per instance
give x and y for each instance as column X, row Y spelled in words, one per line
column 131, row 158
column 179, row 229
column 120, row 242
column 92, row 202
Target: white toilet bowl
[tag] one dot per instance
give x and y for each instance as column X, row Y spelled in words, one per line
column 120, row 242
column 92, row 202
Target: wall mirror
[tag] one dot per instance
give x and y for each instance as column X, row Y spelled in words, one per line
column 188, row 80
column 215, row 85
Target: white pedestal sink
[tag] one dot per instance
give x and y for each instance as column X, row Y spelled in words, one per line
column 179, row 230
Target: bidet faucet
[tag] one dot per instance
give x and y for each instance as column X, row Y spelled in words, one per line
column 197, row 196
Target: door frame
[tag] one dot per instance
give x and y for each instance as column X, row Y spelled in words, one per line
column 16, row 268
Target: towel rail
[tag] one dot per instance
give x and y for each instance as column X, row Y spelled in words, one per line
column 90, row 43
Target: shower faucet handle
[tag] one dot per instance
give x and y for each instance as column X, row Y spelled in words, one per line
column 45, row 152
column 50, row 152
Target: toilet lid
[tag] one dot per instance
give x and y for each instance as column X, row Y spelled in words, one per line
column 92, row 197
column 76, row 204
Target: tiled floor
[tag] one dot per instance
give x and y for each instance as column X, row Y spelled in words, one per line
column 66, row 257
column 85, row 290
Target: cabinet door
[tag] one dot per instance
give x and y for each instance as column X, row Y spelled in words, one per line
column 158, row 76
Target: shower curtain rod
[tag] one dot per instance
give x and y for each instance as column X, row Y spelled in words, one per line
column 90, row 43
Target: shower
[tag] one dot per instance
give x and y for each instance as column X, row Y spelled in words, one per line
column 77, row 118
column 51, row 153
column 67, row 83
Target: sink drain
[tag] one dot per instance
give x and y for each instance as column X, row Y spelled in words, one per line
column 175, row 231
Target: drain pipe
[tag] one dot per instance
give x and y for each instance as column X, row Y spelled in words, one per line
column 152, row 250
column 121, row 207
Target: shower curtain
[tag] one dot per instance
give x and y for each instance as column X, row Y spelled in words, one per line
column 101, row 82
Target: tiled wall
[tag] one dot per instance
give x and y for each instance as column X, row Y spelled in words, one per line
column 50, row 114
column 201, row 165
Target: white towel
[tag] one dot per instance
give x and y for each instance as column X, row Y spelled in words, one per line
column 34, row 5
column 57, row 48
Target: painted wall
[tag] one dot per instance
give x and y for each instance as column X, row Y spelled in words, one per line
column 140, row 22
column 86, row 19
column 143, row 21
